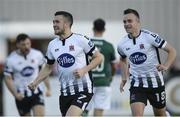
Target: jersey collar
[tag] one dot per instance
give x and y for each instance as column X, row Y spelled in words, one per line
column 134, row 37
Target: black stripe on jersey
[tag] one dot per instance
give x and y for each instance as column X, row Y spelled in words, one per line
column 133, row 81
column 158, row 55
column 140, row 81
column 76, row 87
column 63, row 42
column 160, row 46
column 90, row 52
column 149, row 81
column 25, row 93
column 158, row 81
column 50, row 62
column 68, row 91
column 134, row 41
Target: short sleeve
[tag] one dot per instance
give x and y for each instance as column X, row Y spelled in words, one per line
column 49, row 55
column 88, row 46
column 157, row 41
column 41, row 59
column 8, row 68
column 120, row 51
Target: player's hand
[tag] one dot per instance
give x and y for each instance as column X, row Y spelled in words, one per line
column 78, row 73
column 19, row 96
column 161, row 67
column 32, row 86
column 123, row 82
column 48, row 92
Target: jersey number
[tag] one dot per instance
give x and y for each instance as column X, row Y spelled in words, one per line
column 161, row 95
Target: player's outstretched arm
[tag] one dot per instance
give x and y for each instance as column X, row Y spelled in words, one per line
column 43, row 74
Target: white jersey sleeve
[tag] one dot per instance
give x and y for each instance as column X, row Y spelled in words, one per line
column 157, row 41
column 120, row 51
column 8, row 69
column 88, row 46
column 41, row 59
column 49, row 56
column 120, row 47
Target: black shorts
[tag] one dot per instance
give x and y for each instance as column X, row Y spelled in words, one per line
column 80, row 100
column 156, row 96
column 24, row 106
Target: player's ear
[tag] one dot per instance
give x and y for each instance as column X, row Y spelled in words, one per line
column 17, row 45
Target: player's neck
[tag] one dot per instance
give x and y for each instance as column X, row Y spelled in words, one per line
column 65, row 35
column 98, row 34
column 135, row 34
column 24, row 54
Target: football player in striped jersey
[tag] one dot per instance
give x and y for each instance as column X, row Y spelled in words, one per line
column 141, row 61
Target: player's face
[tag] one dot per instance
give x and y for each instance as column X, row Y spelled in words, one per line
column 59, row 25
column 24, row 46
column 131, row 23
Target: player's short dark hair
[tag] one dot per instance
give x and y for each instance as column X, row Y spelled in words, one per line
column 99, row 24
column 67, row 15
column 127, row 11
column 21, row 37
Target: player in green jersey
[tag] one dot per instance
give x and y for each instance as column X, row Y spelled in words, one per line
column 104, row 72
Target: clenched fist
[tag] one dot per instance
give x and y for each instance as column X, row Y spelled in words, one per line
column 32, row 86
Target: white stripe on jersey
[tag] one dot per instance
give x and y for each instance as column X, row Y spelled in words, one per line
column 71, row 87
column 161, row 78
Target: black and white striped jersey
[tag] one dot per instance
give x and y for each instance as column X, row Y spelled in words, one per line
column 70, row 54
column 24, row 69
column 142, row 54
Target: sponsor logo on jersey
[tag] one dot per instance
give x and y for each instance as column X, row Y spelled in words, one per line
column 138, row 58
column 27, row 71
column 66, row 60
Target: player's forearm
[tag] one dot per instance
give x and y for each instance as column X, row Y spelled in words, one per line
column 10, row 85
column 43, row 74
column 95, row 61
column 171, row 57
column 113, row 67
column 124, row 69
column 47, row 84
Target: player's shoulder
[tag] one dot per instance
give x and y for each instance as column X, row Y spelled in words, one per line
column 148, row 33
column 13, row 55
column 35, row 51
column 80, row 36
column 53, row 41
column 123, row 40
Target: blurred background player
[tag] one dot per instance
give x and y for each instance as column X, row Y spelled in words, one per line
column 22, row 66
column 139, row 50
column 70, row 51
column 103, row 73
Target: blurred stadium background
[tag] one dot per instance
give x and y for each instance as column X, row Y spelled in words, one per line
column 34, row 17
